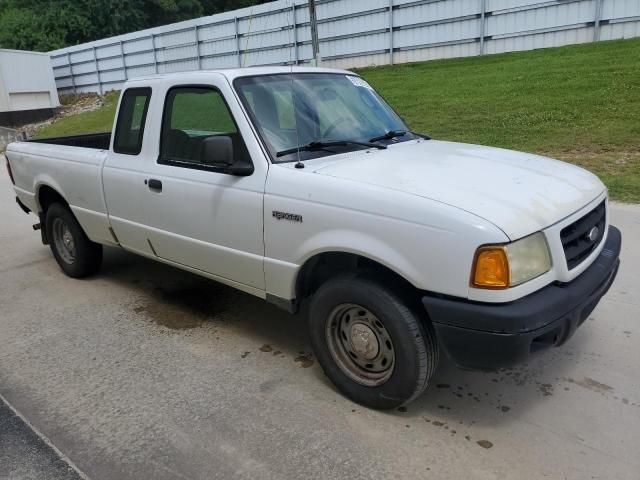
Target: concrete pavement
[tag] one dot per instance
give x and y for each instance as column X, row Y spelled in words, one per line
column 145, row 371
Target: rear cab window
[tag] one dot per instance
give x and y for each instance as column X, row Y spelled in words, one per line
column 132, row 118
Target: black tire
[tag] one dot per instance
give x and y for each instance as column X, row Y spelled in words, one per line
column 414, row 345
column 86, row 256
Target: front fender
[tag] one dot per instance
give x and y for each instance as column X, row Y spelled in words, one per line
column 363, row 245
column 431, row 259
column 428, row 243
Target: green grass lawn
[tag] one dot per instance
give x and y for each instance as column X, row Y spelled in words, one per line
column 578, row 103
column 100, row 120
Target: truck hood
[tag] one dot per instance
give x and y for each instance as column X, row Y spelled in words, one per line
column 520, row 193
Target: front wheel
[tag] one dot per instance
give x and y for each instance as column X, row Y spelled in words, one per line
column 372, row 346
column 77, row 255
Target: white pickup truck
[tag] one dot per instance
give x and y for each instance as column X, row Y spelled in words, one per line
column 302, row 183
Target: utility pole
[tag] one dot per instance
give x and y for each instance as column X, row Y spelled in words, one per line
column 314, row 34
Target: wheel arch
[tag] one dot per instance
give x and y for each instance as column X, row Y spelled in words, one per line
column 325, row 265
column 46, row 195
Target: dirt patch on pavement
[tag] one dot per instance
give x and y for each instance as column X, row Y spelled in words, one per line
column 485, row 443
column 591, row 384
column 183, row 308
column 304, row 360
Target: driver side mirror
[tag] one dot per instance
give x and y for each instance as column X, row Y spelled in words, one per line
column 217, row 151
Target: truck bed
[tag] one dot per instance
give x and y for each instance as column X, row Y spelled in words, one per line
column 73, row 165
column 98, row 141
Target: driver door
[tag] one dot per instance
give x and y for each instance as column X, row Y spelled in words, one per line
column 187, row 209
column 197, row 214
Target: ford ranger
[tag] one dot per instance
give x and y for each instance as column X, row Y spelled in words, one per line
column 303, row 184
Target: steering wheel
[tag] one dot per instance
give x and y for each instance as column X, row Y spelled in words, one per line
column 333, row 126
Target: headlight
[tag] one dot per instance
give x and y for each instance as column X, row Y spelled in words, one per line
column 504, row 266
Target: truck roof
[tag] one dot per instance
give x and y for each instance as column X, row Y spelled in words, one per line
column 233, row 73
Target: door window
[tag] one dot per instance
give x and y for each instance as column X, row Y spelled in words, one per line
column 191, row 115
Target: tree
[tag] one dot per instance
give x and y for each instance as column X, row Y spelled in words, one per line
column 162, row 12
column 216, row 6
column 45, row 25
column 25, row 30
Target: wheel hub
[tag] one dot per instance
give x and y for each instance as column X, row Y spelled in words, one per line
column 364, row 341
column 68, row 241
column 360, row 344
column 63, row 241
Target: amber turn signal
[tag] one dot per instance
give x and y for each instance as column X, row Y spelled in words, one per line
column 491, row 268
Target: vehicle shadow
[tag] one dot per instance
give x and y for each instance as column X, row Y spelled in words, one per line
column 455, row 398
column 180, row 300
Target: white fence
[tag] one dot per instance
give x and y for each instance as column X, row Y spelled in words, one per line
column 352, row 33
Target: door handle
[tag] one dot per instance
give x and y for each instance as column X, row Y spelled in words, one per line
column 154, row 184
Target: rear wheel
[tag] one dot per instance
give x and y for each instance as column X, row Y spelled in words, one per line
column 77, row 255
column 373, row 347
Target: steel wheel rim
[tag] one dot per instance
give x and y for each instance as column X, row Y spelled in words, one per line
column 63, row 240
column 360, row 344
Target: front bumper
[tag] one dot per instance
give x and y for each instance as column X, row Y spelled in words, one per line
column 490, row 336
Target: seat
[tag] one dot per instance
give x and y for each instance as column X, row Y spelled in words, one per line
column 177, row 145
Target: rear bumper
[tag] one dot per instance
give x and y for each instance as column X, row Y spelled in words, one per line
column 489, row 336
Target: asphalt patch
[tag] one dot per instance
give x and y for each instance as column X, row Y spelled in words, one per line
column 24, row 455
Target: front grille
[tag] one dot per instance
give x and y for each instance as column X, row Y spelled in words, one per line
column 580, row 239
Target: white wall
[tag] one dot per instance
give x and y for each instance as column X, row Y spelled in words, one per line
column 26, row 81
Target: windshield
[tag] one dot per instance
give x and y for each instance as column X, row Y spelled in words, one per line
column 295, row 110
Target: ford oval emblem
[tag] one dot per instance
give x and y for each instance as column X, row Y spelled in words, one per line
column 593, row 234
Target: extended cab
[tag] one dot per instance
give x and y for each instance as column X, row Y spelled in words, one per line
column 302, row 183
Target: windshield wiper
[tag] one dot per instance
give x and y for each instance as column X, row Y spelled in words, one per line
column 320, row 144
column 391, row 134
